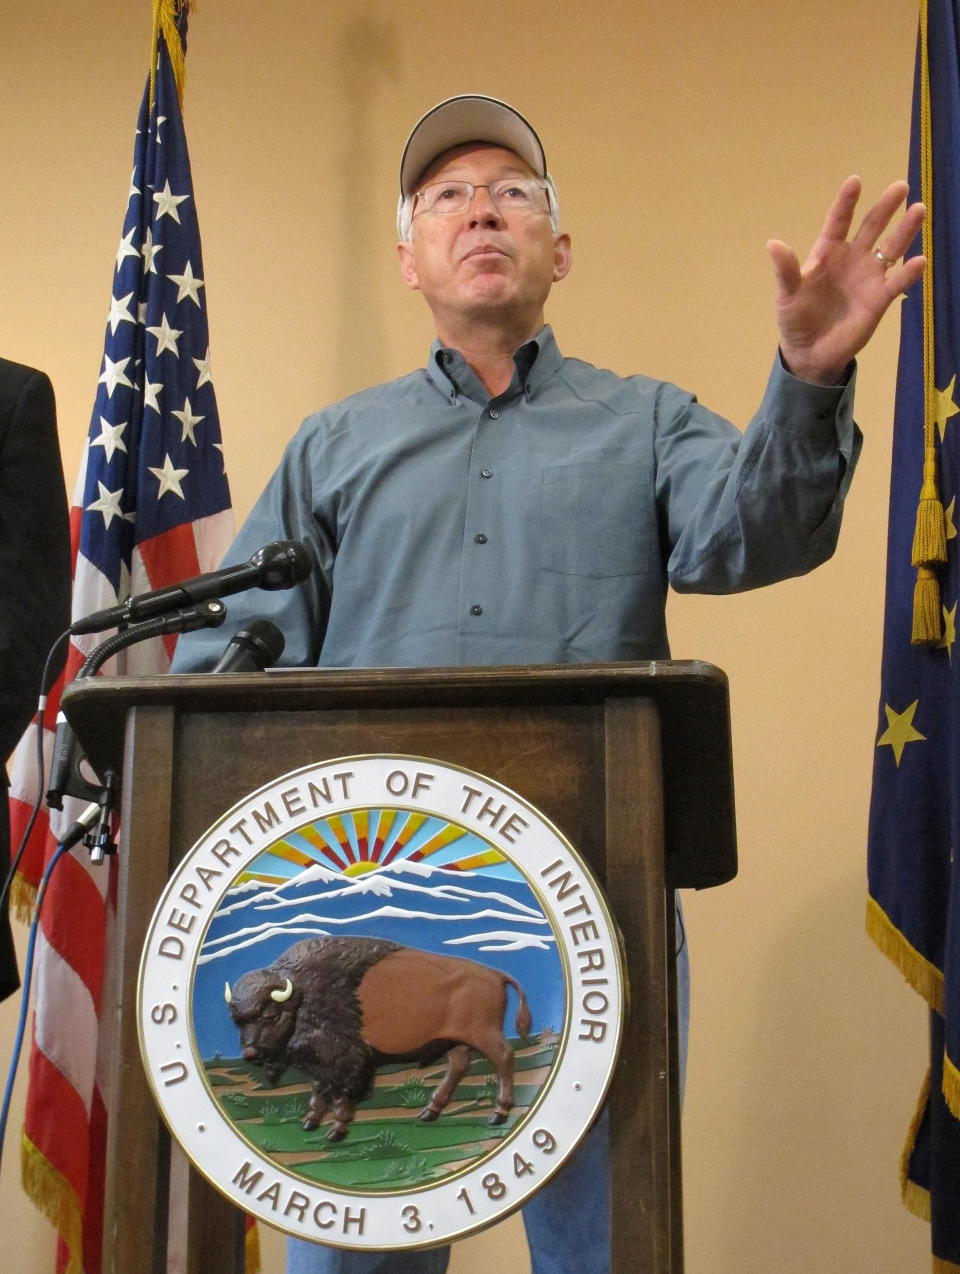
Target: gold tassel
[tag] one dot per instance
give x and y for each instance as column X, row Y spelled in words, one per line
column 930, row 536
column 165, row 13
column 927, row 616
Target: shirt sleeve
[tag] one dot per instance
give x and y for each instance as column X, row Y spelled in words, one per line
column 284, row 511
column 741, row 511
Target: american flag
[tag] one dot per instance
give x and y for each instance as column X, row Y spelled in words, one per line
column 151, row 506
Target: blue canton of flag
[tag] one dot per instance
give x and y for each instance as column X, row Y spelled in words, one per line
column 914, row 907
column 154, row 463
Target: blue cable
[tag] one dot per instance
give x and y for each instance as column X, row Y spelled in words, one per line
column 25, row 995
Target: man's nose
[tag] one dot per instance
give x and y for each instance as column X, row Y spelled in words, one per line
column 483, row 211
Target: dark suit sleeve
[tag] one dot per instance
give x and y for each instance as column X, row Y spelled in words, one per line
column 34, row 544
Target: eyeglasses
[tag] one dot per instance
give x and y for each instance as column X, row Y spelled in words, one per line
column 509, row 194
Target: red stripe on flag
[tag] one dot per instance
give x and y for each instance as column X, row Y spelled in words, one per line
column 171, row 556
column 168, row 558
column 57, row 1124
column 72, row 893
column 94, row 1203
column 76, row 519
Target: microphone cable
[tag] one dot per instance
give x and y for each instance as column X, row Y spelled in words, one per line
column 25, row 995
column 45, row 688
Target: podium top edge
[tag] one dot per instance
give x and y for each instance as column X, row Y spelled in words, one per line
column 605, row 678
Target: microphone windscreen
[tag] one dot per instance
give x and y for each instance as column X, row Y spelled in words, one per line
column 253, row 648
column 282, row 564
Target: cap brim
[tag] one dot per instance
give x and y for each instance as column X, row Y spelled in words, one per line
column 468, row 118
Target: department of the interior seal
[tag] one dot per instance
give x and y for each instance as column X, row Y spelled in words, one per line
column 380, row 1002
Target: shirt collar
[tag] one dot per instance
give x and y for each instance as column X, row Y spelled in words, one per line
column 534, row 362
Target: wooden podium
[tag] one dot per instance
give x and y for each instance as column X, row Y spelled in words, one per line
column 630, row 761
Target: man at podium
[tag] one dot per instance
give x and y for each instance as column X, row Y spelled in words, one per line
column 506, row 504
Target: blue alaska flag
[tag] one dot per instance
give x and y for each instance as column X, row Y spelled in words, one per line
column 913, row 910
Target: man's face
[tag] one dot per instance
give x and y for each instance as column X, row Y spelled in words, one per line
column 483, row 265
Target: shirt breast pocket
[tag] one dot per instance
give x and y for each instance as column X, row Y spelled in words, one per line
column 596, row 519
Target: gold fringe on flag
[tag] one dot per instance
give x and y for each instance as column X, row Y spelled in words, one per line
column 165, row 14
column 52, row 1195
column 925, row 978
column 951, row 1085
column 915, row 1198
column 940, row 1266
column 252, row 1251
column 23, row 899
column 930, row 536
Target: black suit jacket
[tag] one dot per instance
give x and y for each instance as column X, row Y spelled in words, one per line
column 34, row 574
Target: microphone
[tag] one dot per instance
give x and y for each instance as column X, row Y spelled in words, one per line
column 65, row 773
column 278, row 565
column 252, row 649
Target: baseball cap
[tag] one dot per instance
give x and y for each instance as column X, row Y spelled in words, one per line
column 471, row 117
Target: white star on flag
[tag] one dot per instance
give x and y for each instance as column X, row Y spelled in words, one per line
column 188, row 420
column 169, row 477
column 203, row 367
column 126, row 248
column 108, row 504
column 187, row 284
column 151, row 391
column 150, row 250
column 167, row 203
column 166, row 335
column 120, row 312
column 114, row 374
column 110, row 437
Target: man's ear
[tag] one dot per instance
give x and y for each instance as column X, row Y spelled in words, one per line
column 562, row 257
column 408, row 267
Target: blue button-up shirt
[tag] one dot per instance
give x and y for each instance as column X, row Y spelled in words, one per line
column 540, row 526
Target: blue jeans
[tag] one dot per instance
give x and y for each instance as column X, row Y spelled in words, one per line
column 561, row 1220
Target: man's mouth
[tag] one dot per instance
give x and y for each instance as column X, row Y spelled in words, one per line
column 485, row 250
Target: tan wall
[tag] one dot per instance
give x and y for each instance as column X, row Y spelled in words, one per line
column 682, row 137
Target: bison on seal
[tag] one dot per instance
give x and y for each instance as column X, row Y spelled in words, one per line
column 339, row 1007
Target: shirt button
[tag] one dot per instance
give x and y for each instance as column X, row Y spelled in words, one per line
column 486, row 473
column 476, row 610
column 494, row 414
column 480, row 539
